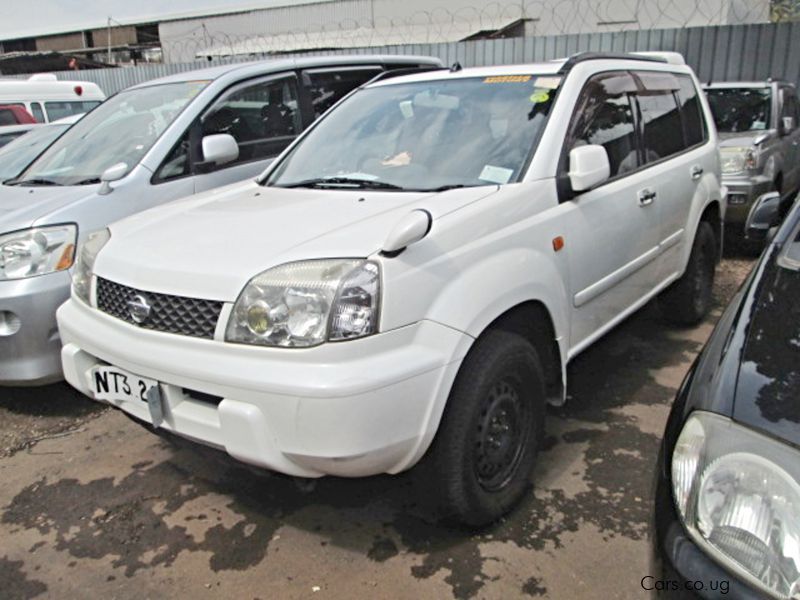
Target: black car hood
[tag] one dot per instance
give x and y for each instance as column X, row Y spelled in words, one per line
column 768, row 386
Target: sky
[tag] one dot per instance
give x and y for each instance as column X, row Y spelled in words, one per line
column 39, row 17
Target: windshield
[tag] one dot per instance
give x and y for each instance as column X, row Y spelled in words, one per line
column 738, row 110
column 425, row 135
column 122, row 129
column 18, row 154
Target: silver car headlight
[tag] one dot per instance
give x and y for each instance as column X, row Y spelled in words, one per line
column 37, row 251
column 736, row 160
column 84, row 265
column 306, row 303
column 737, row 492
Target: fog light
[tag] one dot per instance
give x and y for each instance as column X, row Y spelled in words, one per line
column 9, row 323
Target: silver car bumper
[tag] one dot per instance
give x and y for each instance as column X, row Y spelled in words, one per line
column 743, row 191
column 29, row 342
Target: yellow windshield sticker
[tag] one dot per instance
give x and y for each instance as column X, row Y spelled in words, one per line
column 540, row 96
column 507, row 79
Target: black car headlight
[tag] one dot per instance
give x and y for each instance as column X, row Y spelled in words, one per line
column 737, row 492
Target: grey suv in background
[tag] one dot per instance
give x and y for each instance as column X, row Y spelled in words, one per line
column 147, row 145
column 759, row 143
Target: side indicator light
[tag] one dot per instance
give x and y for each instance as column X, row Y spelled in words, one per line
column 558, row 243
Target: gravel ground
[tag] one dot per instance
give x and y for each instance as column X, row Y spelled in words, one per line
column 92, row 505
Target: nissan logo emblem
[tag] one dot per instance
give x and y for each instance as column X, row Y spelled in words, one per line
column 139, row 308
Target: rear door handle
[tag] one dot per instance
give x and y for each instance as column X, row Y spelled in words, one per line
column 646, row 196
column 697, row 172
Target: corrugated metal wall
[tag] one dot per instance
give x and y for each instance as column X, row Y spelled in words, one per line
column 734, row 52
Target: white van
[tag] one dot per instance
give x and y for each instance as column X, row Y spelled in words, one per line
column 49, row 99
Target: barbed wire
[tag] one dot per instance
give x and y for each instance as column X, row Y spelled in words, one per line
column 269, row 32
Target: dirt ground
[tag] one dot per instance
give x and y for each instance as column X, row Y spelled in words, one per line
column 91, row 505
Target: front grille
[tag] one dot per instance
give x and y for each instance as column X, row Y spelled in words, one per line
column 171, row 314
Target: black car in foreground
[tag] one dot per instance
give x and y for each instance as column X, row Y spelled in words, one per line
column 727, row 497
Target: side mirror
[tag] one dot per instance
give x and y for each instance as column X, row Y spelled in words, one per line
column 787, row 125
column 764, row 215
column 588, row 167
column 219, row 149
column 112, row 173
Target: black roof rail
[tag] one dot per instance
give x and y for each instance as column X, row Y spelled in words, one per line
column 584, row 56
column 389, row 73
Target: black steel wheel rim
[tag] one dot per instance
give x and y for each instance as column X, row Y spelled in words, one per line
column 500, row 435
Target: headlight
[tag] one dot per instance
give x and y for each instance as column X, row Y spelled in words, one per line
column 736, row 160
column 84, row 265
column 738, row 494
column 37, row 251
column 305, row 303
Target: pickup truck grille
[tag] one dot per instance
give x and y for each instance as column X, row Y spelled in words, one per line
column 171, row 314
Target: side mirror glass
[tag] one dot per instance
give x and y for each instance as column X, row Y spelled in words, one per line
column 588, row 167
column 764, row 216
column 112, row 173
column 219, row 149
column 787, row 124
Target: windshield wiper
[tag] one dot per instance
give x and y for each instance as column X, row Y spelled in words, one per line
column 361, row 184
column 32, row 182
column 88, row 181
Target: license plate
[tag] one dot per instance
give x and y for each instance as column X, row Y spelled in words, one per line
column 112, row 383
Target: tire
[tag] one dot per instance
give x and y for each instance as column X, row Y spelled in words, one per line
column 688, row 300
column 484, row 453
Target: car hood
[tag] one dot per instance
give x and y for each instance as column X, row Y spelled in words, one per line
column 211, row 245
column 22, row 207
column 768, row 386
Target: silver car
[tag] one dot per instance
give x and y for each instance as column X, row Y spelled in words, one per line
column 759, row 143
column 145, row 146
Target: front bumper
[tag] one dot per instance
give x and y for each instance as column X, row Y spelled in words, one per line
column 743, row 191
column 30, row 355
column 352, row 408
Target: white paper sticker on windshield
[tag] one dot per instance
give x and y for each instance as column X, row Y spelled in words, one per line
column 549, row 83
column 495, row 174
column 407, row 108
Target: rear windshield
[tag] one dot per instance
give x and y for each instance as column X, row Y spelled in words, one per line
column 739, row 110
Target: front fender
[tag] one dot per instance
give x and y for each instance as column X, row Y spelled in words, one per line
column 472, row 300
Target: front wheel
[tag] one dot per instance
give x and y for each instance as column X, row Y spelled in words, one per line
column 485, row 450
column 689, row 299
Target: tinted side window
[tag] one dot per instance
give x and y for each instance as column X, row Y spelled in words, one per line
column 263, row 118
column 789, row 103
column 7, row 117
column 177, row 163
column 694, row 129
column 61, row 110
column 327, row 87
column 662, row 129
column 604, row 116
column 37, row 112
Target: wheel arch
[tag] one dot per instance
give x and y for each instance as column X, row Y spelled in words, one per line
column 532, row 320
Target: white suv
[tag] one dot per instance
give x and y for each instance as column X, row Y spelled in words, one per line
column 411, row 277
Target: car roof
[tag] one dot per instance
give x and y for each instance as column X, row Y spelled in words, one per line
column 274, row 65
column 558, row 67
column 722, row 85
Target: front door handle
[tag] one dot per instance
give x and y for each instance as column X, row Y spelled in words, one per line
column 646, row 197
column 697, row 172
